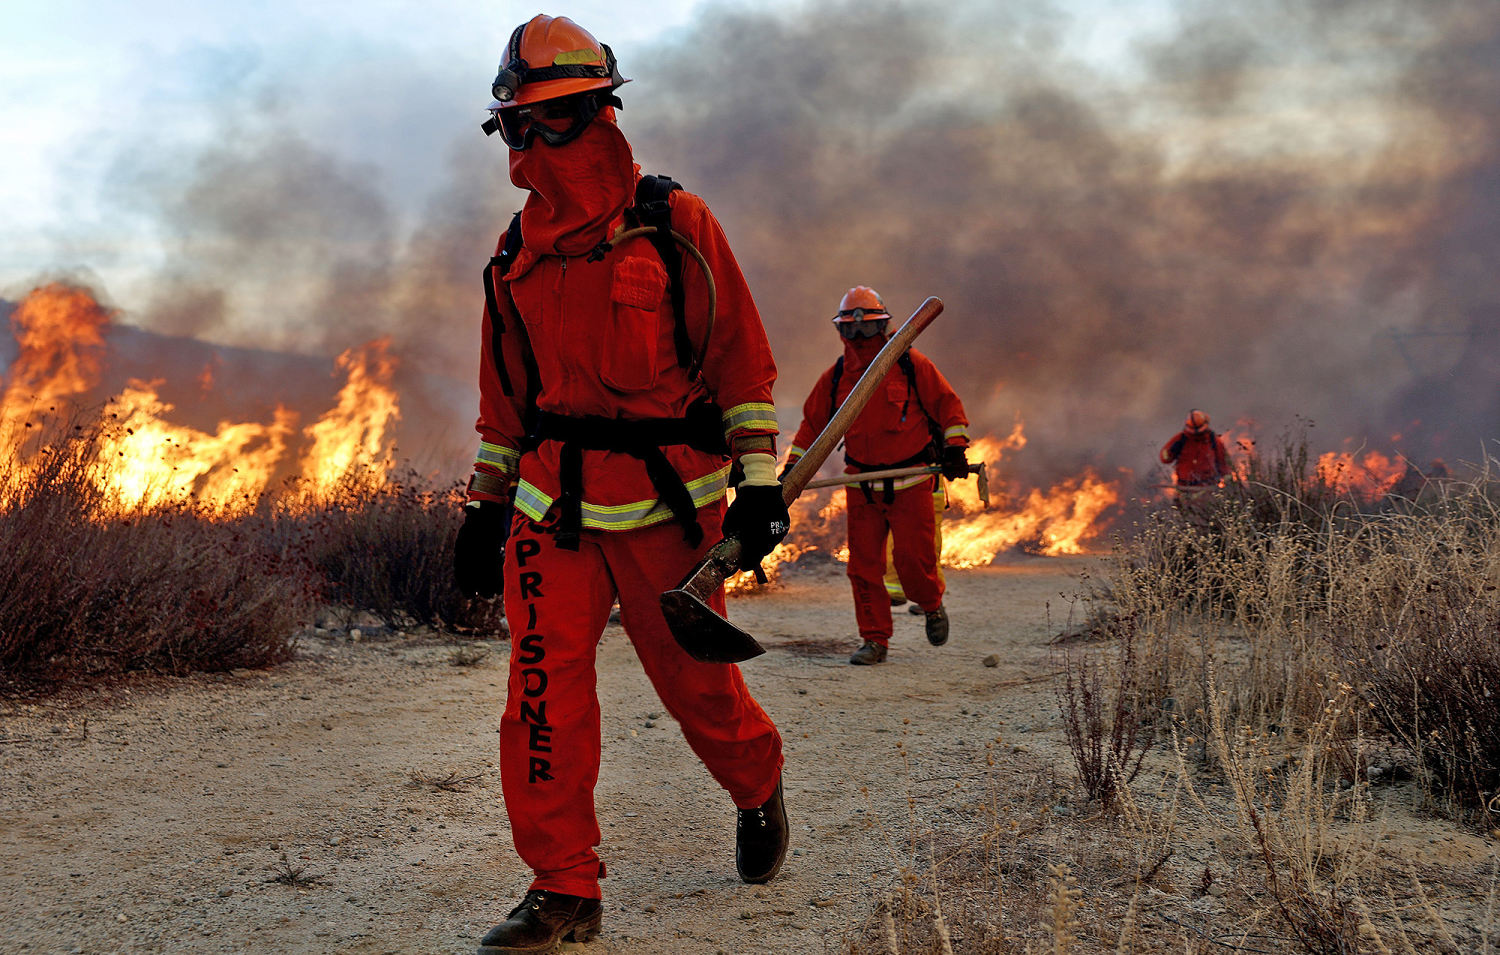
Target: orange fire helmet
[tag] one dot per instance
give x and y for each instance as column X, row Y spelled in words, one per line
column 1196, row 420
column 549, row 57
column 861, row 304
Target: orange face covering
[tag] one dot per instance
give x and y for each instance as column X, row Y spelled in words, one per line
column 576, row 189
column 859, row 352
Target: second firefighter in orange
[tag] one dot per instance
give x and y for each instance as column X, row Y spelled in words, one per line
column 914, row 418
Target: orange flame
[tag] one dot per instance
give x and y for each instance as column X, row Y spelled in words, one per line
column 1063, row 519
column 352, row 434
column 148, row 462
column 60, row 331
column 1368, row 477
column 143, row 460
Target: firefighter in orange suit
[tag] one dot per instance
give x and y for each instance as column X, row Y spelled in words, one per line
column 1198, row 454
column 914, row 418
column 614, row 409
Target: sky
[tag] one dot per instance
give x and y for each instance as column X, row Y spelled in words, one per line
column 86, row 86
column 1283, row 211
column 81, row 80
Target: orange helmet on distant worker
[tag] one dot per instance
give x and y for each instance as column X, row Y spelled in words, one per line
column 550, row 58
column 1196, row 421
column 861, row 314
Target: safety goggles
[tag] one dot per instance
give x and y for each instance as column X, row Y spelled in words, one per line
column 555, row 121
column 861, row 329
column 858, row 314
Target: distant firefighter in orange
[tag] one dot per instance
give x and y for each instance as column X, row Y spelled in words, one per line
column 1199, row 454
column 915, row 418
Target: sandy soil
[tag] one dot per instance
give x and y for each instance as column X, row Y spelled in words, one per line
column 150, row 816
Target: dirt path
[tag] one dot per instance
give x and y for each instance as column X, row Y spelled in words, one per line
column 150, row 819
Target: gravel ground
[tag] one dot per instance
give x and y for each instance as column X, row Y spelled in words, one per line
column 154, row 816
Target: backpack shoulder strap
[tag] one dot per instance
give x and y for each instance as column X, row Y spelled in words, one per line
column 498, row 267
column 833, row 392
column 653, row 209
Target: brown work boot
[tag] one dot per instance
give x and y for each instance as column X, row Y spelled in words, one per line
column 937, row 626
column 869, row 654
column 541, row 921
column 897, row 601
column 760, row 839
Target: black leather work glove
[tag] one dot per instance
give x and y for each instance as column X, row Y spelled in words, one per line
column 791, row 462
column 955, row 462
column 758, row 517
column 479, row 552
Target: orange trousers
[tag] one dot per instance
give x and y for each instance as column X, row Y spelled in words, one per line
column 909, row 520
column 893, row 579
column 557, row 602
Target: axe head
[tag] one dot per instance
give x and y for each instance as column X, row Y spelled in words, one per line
column 706, row 636
column 982, row 477
column 698, row 628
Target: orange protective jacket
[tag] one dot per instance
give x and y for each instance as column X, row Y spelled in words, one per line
column 1200, row 457
column 602, row 336
column 893, row 427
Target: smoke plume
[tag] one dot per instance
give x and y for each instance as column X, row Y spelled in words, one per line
column 1274, row 210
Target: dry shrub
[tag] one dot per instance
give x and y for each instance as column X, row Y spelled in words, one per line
column 1104, row 716
column 385, row 547
column 1296, row 583
column 86, row 592
column 1436, row 689
column 1287, row 810
column 88, row 589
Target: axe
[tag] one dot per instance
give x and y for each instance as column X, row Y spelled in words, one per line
column 701, row 631
column 978, row 470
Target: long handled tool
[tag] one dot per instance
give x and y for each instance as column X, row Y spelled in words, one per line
column 978, row 470
column 702, row 632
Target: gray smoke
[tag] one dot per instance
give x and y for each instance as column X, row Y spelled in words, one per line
column 1280, row 209
column 1290, row 211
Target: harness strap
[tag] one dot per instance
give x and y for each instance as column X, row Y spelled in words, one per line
column 888, row 485
column 642, row 439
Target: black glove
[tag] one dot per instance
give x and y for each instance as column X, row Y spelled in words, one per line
column 758, row 517
column 955, row 463
column 479, row 552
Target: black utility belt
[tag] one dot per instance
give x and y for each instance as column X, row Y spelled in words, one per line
column 626, row 435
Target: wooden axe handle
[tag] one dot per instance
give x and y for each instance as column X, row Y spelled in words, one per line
column 843, row 419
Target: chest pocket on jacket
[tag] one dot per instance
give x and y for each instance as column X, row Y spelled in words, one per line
column 895, row 393
column 631, row 342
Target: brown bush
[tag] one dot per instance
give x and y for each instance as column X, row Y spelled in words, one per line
column 385, row 547
column 1107, row 722
column 86, row 592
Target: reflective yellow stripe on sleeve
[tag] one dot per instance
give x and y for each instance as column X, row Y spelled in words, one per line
column 751, row 416
column 495, row 455
column 957, row 431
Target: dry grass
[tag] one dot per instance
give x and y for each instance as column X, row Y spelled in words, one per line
column 451, row 782
column 293, row 876
column 1284, row 641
